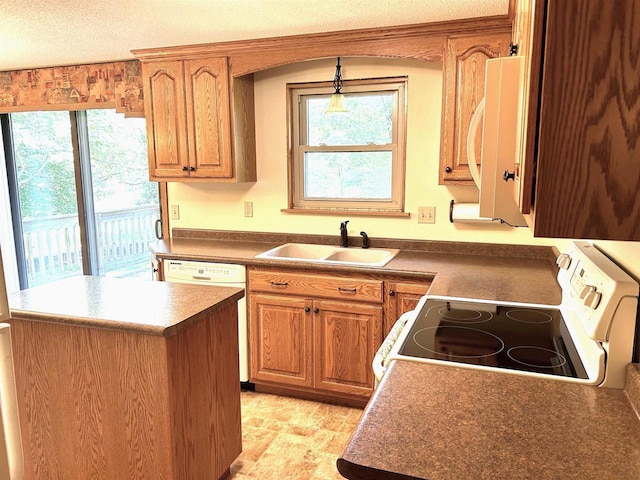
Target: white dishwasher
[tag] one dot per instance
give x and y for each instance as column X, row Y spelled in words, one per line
column 216, row 274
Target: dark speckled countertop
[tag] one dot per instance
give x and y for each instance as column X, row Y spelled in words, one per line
column 485, row 271
column 449, row 423
column 152, row 308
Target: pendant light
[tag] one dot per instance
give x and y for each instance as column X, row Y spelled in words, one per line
column 337, row 99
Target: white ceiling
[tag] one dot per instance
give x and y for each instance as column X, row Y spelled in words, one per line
column 39, row 33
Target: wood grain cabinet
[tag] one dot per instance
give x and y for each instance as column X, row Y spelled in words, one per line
column 580, row 142
column 463, row 76
column 200, row 122
column 401, row 296
column 314, row 332
column 281, row 340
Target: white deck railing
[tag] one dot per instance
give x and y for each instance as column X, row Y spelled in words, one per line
column 53, row 248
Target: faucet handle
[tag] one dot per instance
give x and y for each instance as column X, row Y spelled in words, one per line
column 343, row 225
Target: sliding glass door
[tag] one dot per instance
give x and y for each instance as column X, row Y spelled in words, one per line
column 81, row 201
column 47, row 210
column 125, row 201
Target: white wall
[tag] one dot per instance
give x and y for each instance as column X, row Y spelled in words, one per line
column 626, row 254
column 220, row 206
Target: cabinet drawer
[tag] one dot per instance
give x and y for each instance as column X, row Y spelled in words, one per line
column 316, row 285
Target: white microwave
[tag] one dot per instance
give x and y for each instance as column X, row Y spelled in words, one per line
column 501, row 111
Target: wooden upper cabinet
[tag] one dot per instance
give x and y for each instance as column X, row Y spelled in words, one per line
column 208, row 121
column 195, row 117
column 463, row 75
column 166, row 119
column 586, row 154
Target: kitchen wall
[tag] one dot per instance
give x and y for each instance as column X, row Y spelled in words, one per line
column 626, row 254
column 220, row 206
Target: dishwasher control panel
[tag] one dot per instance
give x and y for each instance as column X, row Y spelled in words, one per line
column 185, row 270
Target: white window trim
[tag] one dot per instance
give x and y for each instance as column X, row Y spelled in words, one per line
column 297, row 149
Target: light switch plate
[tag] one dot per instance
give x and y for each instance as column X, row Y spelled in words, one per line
column 248, row 209
column 426, row 214
column 174, row 211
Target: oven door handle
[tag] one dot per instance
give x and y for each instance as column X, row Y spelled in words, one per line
column 380, row 358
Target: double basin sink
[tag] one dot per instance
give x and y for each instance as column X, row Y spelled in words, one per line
column 307, row 252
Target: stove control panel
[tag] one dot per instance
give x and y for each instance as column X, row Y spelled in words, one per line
column 593, row 287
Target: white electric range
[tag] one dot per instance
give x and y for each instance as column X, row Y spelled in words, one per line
column 588, row 338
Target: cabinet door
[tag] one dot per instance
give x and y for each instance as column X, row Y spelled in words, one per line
column 165, row 116
column 401, row 297
column 280, row 340
column 208, row 118
column 463, row 74
column 347, row 336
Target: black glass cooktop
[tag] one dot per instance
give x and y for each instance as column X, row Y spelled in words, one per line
column 522, row 338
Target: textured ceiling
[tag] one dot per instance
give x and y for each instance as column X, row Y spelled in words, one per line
column 38, row 33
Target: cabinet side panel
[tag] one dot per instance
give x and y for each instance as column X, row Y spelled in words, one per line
column 92, row 403
column 243, row 129
column 589, row 141
column 205, row 395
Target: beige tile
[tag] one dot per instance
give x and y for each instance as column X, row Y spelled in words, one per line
column 287, row 438
column 327, row 469
column 255, row 441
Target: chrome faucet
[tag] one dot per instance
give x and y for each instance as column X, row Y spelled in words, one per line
column 344, row 239
column 365, row 240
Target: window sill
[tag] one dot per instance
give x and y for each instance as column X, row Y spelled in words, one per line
column 360, row 213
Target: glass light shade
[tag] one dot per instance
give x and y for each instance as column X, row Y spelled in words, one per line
column 336, row 104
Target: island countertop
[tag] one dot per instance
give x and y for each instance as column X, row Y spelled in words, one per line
column 142, row 306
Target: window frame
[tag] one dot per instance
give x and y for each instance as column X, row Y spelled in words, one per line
column 296, row 92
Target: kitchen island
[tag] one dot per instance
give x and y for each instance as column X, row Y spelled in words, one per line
column 125, row 378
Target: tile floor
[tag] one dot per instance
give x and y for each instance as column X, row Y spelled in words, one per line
column 286, row 438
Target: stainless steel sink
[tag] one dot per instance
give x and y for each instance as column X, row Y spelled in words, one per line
column 308, row 252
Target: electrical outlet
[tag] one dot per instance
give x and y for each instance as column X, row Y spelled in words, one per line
column 248, row 209
column 426, row 214
column 174, row 211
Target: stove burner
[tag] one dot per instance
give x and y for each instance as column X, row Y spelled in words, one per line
column 537, row 357
column 462, row 315
column 447, row 342
column 529, row 316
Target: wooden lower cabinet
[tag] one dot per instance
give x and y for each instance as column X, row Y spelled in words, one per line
column 400, row 297
column 316, row 334
column 346, row 337
column 281, row 340
column 106, row 404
